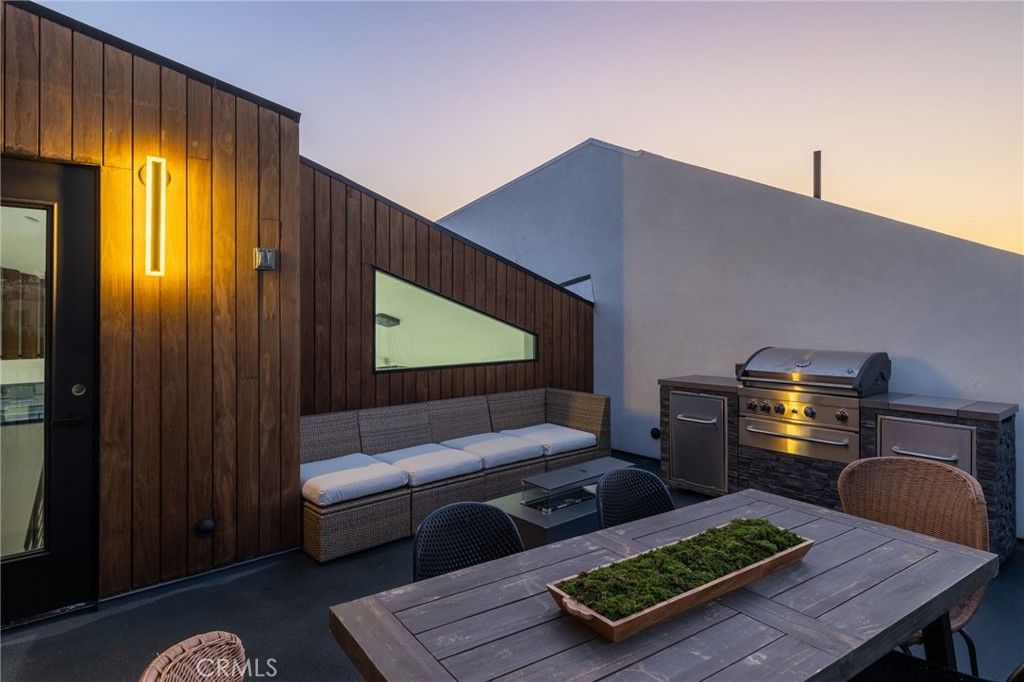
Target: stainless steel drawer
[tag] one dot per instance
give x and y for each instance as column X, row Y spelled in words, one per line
column 798, row 439
column 951, row 444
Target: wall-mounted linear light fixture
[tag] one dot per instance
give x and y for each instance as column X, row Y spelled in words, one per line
column 156, row 214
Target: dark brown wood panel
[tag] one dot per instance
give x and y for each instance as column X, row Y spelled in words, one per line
column 225, row 370
column 87, row 99
column 145, row 393
column 321, row 293
column 366, row 232
column 199, row 368
column 21, row 81
column 270, row 335
column 174, row 529
column 247, row 329
column 337, row 296
column 115, row 376
column 307, row 291
column 290, row 407
column 55, row 91
column 117, row 108
column 200, row 324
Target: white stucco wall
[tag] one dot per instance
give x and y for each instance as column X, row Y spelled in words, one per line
column 562, row 221
column 700, row 269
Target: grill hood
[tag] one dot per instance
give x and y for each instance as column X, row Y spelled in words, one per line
column 819, row 371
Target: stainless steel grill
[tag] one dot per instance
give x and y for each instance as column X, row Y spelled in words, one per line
column 807, row 402
column 817, row 371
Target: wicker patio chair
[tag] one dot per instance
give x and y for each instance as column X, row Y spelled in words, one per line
column 626, row 495
column 461, row 535
column 925, row 497
column 210, row 657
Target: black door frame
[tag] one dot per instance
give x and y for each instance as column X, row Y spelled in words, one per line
column 63, row 576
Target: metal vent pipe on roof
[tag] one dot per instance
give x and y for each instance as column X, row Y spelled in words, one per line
column 817, row 174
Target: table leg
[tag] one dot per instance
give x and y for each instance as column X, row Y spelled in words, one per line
column 938, row 642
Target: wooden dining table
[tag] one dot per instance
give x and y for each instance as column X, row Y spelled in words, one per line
column 863, row 588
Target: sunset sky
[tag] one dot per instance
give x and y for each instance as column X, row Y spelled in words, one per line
column 917, row 107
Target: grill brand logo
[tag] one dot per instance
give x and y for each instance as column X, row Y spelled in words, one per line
column 220, row 668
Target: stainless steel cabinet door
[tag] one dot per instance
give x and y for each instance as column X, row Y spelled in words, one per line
column 951, row 444
column 697, row 440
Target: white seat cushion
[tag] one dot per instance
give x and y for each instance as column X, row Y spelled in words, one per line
column 431, row 462
column 348, row 477
column 496, row 449
column 554, row 438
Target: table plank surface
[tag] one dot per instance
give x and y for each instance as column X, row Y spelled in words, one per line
column 861, row 589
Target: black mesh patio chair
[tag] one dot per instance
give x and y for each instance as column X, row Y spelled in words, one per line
column 626, row 495
column 896, row 666
column 460, row 535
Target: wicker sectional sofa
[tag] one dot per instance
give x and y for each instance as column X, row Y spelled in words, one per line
column 371, row 476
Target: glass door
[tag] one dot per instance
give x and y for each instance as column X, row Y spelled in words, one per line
column 47, row 389
column 24, row 233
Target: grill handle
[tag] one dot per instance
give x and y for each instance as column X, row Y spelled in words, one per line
column 696, row 420
column 951, row 459
column 807, row 439
column 790, row 382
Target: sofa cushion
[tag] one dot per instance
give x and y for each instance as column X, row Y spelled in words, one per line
column 431, row 462
column 555, row 439
column 383, row 429
column 496, row 449
column 517, row 409
column 458, row 417
column 326, row 436
column 330, row 481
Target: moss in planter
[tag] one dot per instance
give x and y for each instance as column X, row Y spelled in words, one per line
column 624, row 588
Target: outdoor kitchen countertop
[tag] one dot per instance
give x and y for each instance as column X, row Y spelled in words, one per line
column 702, row 382
column 963, row 408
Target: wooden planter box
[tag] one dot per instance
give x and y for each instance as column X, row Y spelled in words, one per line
column 630, row 625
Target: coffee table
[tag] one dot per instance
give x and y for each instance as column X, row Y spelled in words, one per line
column 556, row 505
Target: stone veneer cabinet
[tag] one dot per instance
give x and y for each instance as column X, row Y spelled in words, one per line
column 814, row 480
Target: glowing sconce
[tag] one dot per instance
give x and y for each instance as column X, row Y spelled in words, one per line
column 156, row 214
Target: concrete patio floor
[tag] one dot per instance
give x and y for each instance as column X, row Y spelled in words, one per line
column 279, row 606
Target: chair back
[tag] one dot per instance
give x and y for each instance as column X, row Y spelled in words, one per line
column 461, row 535
column 210, row 657
column 919, row 495
column 626, row 495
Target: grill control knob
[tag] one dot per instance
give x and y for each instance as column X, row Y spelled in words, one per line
column 752, row 404
column 809, row 412
column 766, row 406
column 780, row 408
column 842, row 415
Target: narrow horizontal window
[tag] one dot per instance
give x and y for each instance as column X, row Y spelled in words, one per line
column 414, row 328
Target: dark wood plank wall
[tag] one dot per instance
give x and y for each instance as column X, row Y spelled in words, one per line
column 199, row 369
column 347, row 232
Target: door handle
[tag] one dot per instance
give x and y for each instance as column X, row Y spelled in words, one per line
column 845, row 443
column 952, row 459
column 696, row 420
column 67, row 422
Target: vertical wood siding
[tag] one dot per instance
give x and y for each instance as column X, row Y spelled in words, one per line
column 346, row 233
column 199, row 369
